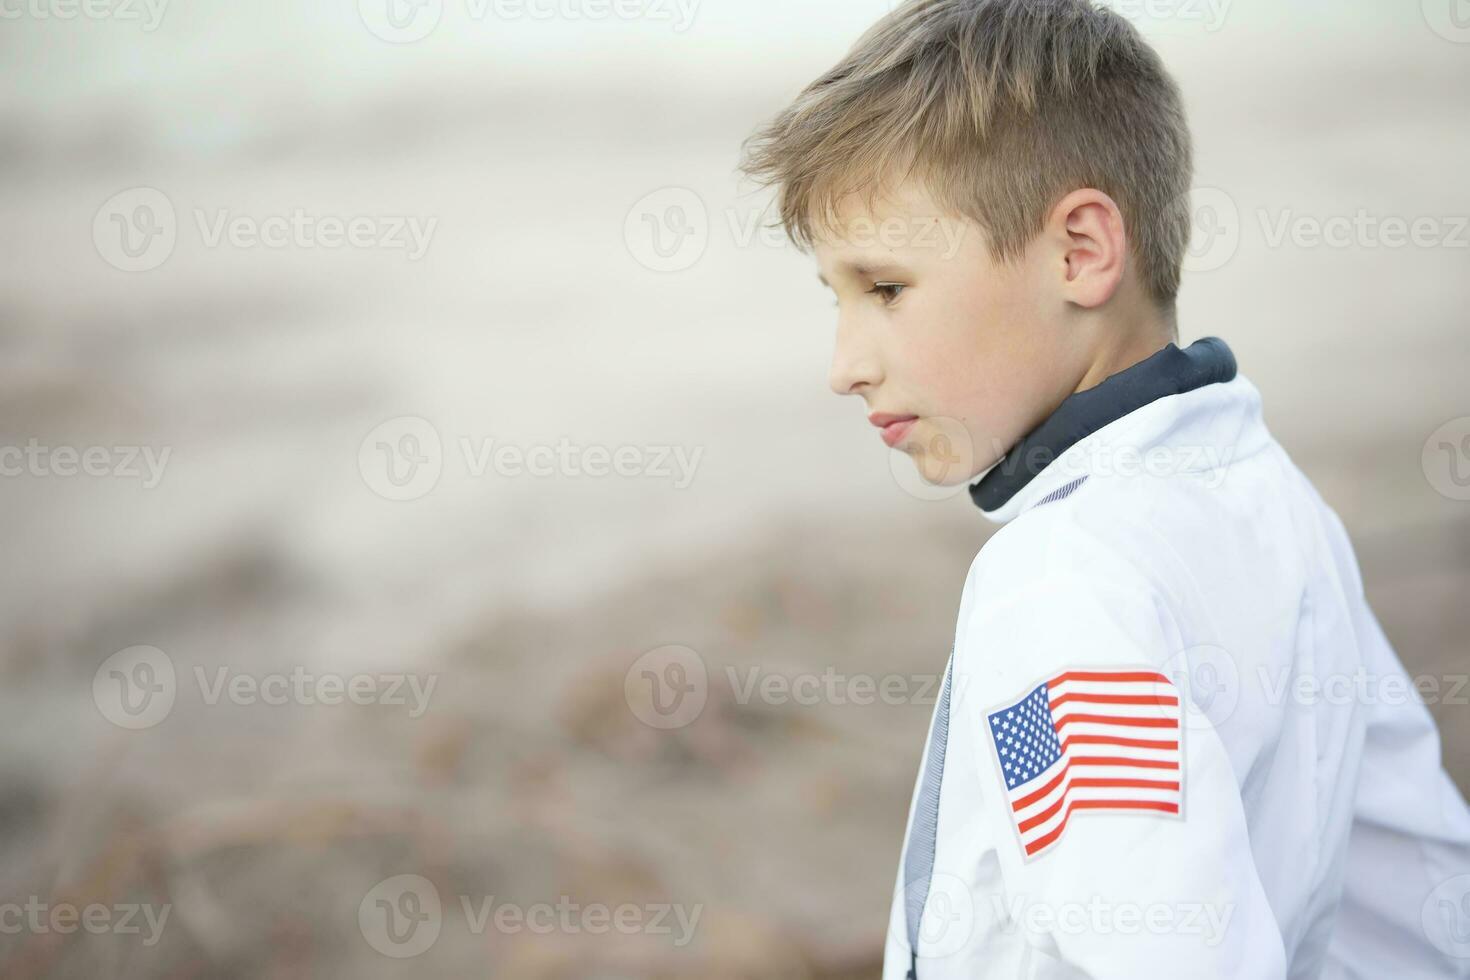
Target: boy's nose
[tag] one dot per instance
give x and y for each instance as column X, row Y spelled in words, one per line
column 853, row 365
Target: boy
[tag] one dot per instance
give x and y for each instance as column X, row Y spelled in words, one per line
column 1127, row 774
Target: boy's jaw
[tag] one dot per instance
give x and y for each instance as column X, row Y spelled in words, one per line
column 944, row 451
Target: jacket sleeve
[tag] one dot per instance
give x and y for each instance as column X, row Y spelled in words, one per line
column 1115, row 864
column 1407, row 878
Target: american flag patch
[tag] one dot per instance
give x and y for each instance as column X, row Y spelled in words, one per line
column 1088, row 740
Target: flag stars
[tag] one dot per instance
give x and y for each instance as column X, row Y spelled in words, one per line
column 1026, row 737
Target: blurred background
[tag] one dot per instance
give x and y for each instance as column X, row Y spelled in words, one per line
column 391, row 389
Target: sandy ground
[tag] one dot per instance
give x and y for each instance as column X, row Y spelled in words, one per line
column 531, row 318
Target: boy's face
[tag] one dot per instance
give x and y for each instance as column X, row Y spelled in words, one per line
column 956, row 355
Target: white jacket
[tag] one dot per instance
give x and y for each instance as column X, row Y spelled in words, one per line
column 1167, row 686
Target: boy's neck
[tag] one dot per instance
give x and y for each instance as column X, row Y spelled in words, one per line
column 1125, row 344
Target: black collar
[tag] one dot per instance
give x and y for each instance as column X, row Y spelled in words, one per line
column 1170, row 371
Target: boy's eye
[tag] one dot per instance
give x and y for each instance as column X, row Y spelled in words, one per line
column 887, row 291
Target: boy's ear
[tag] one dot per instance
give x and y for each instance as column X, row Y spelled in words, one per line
column 1087, row 229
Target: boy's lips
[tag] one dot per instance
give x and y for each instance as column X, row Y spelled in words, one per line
column 895, row 427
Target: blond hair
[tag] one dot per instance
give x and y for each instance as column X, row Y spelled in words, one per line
column 1000, row 108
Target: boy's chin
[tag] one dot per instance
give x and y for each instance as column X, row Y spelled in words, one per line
column 945, row 454
column 941, row 471
column 943, row 466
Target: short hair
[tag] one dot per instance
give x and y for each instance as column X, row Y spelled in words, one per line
column 1000, row 108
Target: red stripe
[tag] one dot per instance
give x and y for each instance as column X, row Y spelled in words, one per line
column 1121, row 676
column 1031, row 798
column 1026, row 801
column 1135, row 743
column 1037, row 819
column 1043, row 816
column 1115, row 699
column 1127, row 783
column 1056, row 831
column 1117, row 760
column 1115, row 720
